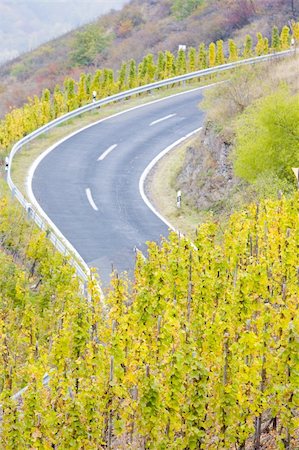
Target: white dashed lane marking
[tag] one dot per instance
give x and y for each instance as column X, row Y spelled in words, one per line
column 162, row 119
column 90, row 199
column 103, row 155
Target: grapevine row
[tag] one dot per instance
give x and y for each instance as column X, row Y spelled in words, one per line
column 199, row 352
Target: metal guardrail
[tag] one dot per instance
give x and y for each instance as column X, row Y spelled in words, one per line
column 61, row 244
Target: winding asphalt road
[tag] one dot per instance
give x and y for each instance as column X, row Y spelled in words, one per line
column 89, row 184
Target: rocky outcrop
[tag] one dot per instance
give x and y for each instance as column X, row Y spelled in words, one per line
column 206, row 178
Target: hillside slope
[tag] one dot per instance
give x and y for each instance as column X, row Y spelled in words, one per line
column 140, row 27
column 27, row 24
column 213, row 178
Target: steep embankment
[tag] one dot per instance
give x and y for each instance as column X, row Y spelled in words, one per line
column 210, row 178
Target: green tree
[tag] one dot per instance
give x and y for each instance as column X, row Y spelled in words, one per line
column 88, row 44
column 260, row 45
column 160, row 66
column 71, row 98
column 142, row 70
column 147, row 70
column 267, row 137
column 191, row 59
column 285, row 38
column 181, row 65
column 108, row 82
column 88, row 91
column 247, row 53
column 212, row 54
column 169, row 64
column 275, row 41
column 81, row 92
column 233, row 50
column 202, row 56
column 59, row 103
column 183, row 8
column 46, row 105
column 132, row 74
column 219, row 52
column 295, row 30
column 96, row 82
column 150, row 68
column 122, row 77
column 266, row 46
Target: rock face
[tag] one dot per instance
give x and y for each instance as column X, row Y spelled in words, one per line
column 206, row 178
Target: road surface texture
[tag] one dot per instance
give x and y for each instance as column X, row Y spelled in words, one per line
column 89, row 184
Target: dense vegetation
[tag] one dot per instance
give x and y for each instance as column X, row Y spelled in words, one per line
column 274, row 149
column 201, row 351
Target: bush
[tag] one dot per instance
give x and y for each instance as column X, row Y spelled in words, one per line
column 183, row 8
column 267, row 137
column 268, row 186
column 88, row 44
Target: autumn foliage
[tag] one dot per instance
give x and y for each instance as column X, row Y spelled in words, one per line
column 201, row 351
column 41, row 110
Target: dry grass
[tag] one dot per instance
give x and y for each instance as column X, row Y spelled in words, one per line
column 226, row 101
column 287, row 72
column 161, row 190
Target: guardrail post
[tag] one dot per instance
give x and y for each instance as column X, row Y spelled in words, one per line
column 85, row 289
column 178, row 199
column 29, row 209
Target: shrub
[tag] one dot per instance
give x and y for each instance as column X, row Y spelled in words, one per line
column 184, row 8
column 267, row 137
column 88, row 44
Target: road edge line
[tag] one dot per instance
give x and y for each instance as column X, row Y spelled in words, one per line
column 148, row 169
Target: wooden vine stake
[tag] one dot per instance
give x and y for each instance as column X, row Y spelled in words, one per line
column 110, row 401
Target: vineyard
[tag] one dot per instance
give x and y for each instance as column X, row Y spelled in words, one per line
column 39, row 111
column 199, row 352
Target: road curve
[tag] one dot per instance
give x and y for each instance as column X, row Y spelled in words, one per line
column 89, row 184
